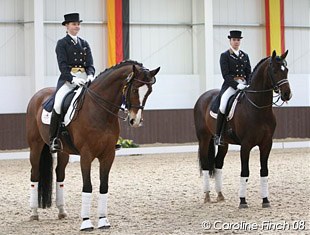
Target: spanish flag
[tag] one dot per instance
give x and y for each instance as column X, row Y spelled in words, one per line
column 118, row 31
column 274, row 26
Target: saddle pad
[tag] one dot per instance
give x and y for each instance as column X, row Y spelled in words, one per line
column 46, row 116
column 231, row 112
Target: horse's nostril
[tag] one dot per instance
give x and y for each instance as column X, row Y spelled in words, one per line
column 131, row 121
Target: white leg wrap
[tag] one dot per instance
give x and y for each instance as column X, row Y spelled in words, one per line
column 86, row 204
column 60, row 201
column 206, row 181
column 218, row 180
column 102, row 205
column 243, row 185
column 264, row 187
column 34, row 204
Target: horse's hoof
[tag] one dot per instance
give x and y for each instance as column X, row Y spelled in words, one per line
column 62, row 215
column 87, row 225
column 207, row 199
column 34, row 217
column 103, row 223
column 243, row 205
column 220, row 197
column 266, row 205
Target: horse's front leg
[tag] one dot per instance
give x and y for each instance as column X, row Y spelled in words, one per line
column 244, row 177
column 264, row 155
column 85, row 163
column 105, row 165
column 62, row 161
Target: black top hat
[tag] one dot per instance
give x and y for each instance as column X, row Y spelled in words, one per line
column 71, row 17
column 235, row 34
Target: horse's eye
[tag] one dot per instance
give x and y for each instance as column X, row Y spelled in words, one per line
column 135, row 90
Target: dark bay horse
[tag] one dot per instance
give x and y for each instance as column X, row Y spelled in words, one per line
column 94, row 133
column 253, row 124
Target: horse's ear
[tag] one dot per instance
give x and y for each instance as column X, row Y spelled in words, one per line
column 274, row 54
column 283, row 56
column 154, row 72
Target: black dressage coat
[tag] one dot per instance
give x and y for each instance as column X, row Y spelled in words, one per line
column 70, row 55
column 234, row 66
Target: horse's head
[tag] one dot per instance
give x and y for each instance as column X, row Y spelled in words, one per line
column 136, row 91
column 277, row 72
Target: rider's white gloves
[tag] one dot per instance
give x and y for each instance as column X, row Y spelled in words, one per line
column 242, row 86
column 90, row 78
column 78, row 81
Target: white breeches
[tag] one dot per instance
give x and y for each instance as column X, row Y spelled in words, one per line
column 226, row 95
column 67, row 87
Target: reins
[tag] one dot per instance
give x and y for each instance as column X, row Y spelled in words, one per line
column 126, row 104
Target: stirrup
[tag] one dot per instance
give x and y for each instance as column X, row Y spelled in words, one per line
column 55, row 145
column 218, row 140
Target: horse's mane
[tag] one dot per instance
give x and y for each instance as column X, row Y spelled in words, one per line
column 119, row 65
column 258, row 65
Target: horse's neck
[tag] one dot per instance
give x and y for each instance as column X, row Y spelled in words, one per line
column 260, row 82
column 110, row 87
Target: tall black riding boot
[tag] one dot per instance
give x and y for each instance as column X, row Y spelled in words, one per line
column 219, row 125
column 55, row 144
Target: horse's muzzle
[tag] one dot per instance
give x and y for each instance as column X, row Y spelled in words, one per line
column 286, row 96
column 135, row 123
column 135, row 119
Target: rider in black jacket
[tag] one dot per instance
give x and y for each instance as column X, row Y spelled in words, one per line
column 236, row 70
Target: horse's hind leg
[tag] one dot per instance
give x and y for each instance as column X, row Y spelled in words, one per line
column 219, row 162
column 62, row 161
column 264, row 155
column 35, row 154
column 205, row 165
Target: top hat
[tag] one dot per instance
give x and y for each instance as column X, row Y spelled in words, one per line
column 71, row 17
column 235, row 34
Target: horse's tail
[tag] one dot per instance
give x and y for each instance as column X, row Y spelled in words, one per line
column 45, row 178
column 211, row 157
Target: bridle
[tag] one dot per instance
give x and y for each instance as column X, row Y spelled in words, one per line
column 275, row 87
column 127, row 89
column 126, row 92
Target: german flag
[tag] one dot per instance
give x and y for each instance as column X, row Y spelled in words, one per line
column 275, row 26
column 118, row 31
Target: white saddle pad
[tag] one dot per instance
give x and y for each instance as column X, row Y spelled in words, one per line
column 46, row 116
column 231, row 111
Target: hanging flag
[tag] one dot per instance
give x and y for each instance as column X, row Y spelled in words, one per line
column 118, row 31
column 274, row 26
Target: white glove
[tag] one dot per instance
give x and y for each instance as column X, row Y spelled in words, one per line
column 90, row 78
column 242, row 86
column 78, row 81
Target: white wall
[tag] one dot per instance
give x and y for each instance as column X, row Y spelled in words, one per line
column 12, row 38
column 166, row 33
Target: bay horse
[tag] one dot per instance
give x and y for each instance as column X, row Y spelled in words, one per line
column 253, row 124
column 94, row 133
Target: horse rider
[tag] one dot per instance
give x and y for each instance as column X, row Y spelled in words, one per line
column 75, row 63
column 236, row 69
